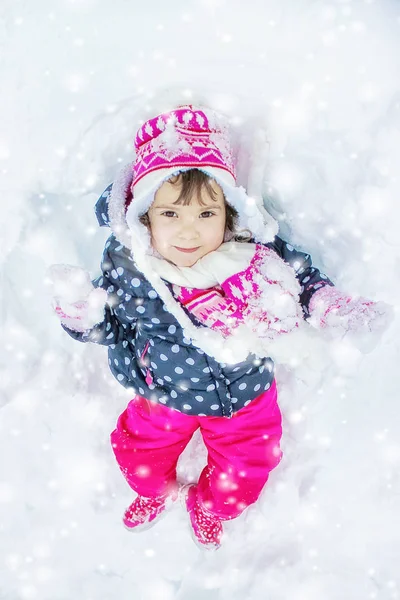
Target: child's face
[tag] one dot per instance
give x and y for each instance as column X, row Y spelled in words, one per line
column 196, row 227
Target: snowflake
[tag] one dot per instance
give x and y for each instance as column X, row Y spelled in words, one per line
column 187, row 116
column 160, row 124
column 149, row 129
column 200, row 119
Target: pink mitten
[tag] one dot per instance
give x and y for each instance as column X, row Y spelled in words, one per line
column 78, row 304
column 266, row 294
column 362, row 321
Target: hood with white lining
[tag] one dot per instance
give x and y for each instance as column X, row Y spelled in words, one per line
column 116, row 209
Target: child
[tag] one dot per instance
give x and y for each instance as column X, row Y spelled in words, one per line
column 196, row 293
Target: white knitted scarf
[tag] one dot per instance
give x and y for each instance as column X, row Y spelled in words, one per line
column 210, row 270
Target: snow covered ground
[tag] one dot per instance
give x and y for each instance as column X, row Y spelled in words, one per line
column 326, row 76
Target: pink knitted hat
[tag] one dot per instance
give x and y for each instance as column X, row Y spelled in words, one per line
column 182, row 139
column 178, row 140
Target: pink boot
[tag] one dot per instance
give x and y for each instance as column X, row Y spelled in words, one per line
column 143, row 512
column 207, row 529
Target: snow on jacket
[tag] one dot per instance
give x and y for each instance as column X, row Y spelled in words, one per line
column 148, row 351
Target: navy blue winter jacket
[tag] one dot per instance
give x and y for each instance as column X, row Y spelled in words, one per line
column 147, row 351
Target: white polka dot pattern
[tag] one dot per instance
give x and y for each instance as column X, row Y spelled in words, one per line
column 149, row 353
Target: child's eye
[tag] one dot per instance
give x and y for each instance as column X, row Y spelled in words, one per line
column 168, row 213
column 206, row 214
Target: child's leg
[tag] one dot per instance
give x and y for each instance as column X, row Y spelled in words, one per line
column 241, row 453
column 147, row 443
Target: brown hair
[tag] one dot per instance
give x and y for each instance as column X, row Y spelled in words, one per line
column 193, row 182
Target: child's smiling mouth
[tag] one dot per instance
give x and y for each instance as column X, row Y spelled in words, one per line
column 187, row 249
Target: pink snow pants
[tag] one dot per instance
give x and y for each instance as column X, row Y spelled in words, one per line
column 242, row 450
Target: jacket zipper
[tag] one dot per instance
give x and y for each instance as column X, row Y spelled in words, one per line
column 149, row 376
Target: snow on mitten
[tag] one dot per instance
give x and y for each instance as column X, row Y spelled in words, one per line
column 362, row 321
column 78, row 304
column 267, row 294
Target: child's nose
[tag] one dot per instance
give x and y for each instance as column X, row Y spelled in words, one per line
column 188, row 231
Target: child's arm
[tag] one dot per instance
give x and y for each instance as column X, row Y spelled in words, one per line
column 82, row 305
column 309, row 277
column 359, row 319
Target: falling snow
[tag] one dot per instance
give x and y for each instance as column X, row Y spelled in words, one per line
column 324, row 79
